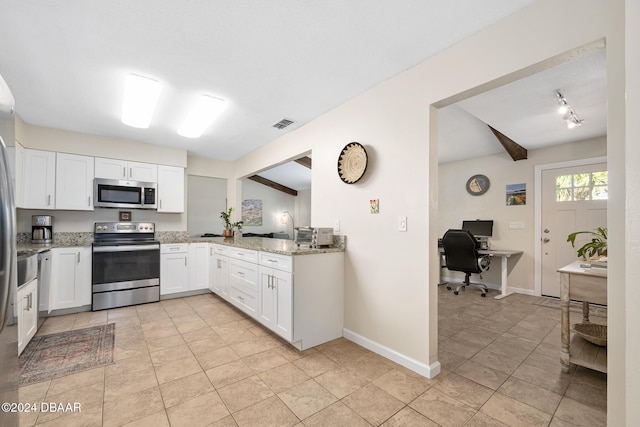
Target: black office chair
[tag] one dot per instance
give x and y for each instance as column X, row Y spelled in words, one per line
column 461, row 254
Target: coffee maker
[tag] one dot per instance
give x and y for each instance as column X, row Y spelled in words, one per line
column 41, row 229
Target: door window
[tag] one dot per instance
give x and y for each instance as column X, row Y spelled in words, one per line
column 582, row 186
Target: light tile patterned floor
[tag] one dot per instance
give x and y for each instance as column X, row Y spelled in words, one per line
column 197, row 361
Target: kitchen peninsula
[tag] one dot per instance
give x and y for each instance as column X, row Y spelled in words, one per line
column 296, row 292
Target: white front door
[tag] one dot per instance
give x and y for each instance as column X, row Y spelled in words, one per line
column 573, row 199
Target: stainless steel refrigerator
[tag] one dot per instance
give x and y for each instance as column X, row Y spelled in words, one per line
column 8, row 266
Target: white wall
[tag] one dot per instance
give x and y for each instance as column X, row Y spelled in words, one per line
column 274, row 202
column 390, row 295
column 303, row 209
column 455, row 204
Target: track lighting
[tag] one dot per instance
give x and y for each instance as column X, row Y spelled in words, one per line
column 568, row 114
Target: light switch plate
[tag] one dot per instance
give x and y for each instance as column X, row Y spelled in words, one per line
column 336, row 226
column 516, row 225
column 402, row 223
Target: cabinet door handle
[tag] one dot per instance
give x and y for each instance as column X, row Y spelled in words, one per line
column 240, row 298
column 124, row 171
column 240, row 273
column 89, row 201
column 219, row 263
column 78, row 257
column 26, row 306
column 160, row 204
column 130, row 172
column 185, row 260
column 49, row 200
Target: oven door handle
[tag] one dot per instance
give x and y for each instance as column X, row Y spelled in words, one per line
column 125, row 248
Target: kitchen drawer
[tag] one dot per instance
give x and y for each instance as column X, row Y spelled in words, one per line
column 244, row 254
column 244, row 275
column 245, row 301
column 221, row 250
column 279, row 262
column 174, row 248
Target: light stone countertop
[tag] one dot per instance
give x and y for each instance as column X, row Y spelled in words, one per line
column 278, row 246
column 264, row 244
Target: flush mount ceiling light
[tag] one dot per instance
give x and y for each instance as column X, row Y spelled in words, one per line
column 568, row 114
column 141, row 96
column 206, row 110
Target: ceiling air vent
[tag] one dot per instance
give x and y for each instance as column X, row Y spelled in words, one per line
column 283, row 124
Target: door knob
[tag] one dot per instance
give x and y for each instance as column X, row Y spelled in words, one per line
column 545, row 240
column 546, row 230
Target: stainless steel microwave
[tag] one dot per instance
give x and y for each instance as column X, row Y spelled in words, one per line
column 115, row 193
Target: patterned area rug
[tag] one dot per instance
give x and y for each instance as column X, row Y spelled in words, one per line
column 56, row 355
column 575, row 306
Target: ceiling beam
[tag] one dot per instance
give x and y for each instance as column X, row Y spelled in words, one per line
column 274, row 185
column 304, row 161
column 515, row 150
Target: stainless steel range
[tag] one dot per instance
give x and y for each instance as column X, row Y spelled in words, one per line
column 126, row 265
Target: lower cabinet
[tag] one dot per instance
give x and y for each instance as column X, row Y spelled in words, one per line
column 219, row 270
column 276, row 298
column 300, row 297
column 27, row 306
column 174, row 268
column 198, row 266
column 70, row 277
column 243, row 286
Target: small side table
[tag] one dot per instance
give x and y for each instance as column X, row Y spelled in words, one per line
column 586, row 285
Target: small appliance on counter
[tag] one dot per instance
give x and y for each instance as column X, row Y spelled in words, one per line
column 313, row 237
column 41, row 229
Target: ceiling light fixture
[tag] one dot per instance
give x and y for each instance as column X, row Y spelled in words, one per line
column 568, row 114
column 206, row 110
column 141, row 96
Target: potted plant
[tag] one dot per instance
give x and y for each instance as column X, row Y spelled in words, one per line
column 597, row 245
column 228, row 225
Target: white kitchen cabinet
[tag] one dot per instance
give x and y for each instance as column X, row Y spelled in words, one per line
column 219, row 270
column 70, row 277
column 174, row 268
column 74, row 182
column 39, row 179
column 276, row 298
column 122, row 169
column 170, row 189
column 198, row 266
column 27, row 315
column 16, row 170
column 243, row 286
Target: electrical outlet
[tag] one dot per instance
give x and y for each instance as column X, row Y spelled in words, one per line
column 402, row 223
column 336, row 226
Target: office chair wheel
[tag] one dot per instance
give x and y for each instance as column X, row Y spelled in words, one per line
column 448, row 288
column 455, row 292
column 483, row 295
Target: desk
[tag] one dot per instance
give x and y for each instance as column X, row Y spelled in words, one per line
column 586, row 285
column 504, row 255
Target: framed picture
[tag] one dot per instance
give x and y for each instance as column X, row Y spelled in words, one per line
column 125, row 216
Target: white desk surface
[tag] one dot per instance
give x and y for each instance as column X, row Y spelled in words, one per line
column 503, row 254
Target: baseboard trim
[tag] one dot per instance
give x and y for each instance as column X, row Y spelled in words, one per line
column 429, row 371
column 522, row 291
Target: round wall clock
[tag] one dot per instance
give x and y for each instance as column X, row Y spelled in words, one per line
column 478, row 185
column 352, row 162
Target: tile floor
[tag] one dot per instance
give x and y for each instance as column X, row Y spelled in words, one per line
column 197, row 361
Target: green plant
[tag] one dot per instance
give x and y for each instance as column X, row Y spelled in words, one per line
column 226, row 217
column 597, row 245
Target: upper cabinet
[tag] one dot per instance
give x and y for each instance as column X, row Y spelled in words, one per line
column 39, row 179
column 170, row 189
column 121, row 169
column 74, row 182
